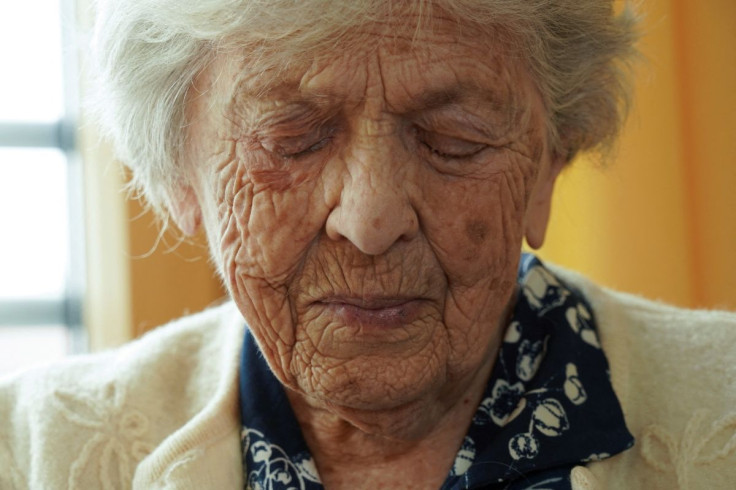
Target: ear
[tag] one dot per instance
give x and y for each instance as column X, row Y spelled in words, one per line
column 540, row 204
column 184, row 209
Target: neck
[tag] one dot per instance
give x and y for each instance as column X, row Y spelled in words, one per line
column 415, row 444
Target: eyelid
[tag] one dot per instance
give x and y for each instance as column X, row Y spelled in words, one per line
column 439, row 144
column 298, row 145
column 462, row 124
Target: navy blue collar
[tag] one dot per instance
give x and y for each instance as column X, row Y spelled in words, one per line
column 548, row 405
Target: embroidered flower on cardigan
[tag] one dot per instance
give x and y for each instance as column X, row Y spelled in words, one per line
column 115, row 444
column 699, row 445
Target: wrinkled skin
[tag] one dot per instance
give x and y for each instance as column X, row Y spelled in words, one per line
column 367, row 213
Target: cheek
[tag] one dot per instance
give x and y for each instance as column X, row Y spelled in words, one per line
column 476, row 225
column 267, row 219
column 264, row 223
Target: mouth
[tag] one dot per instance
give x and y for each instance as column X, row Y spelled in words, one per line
column 373, row 311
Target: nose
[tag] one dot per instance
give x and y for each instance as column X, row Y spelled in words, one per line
column 374, row 211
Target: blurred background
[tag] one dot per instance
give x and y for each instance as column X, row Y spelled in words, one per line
column 84, row 268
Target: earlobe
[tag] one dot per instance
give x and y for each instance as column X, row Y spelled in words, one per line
column 540, row 204
column 184, row 209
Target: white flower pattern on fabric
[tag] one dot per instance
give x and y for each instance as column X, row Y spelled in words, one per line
column 543, row 291
column 579, row 319
column 523, row 446
column 513, row 333
column 530, row 357
column 504, row 405
column 573, row 387
column 464, row 459
column 548, row 417
column 274, row 469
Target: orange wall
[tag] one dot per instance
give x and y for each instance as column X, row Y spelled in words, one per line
column 707, row 43
column 661, row 219
column 169, row 278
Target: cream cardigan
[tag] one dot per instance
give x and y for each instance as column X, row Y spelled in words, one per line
column 161, row 412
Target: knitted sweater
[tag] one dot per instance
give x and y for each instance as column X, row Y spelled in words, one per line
column 161, row 412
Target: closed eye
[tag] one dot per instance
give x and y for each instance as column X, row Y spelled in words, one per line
column 296, row 147
column 450, row 147
column 292, row 153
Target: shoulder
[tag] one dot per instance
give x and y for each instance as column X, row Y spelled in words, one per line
column 87, row 419
column 673, row 370
column 661, row 338
column 627, row 314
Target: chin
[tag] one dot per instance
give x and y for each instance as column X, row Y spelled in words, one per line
column 378, row 387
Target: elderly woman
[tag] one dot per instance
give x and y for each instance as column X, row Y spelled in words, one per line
column 365, row 173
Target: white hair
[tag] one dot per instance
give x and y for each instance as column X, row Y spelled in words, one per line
column 147, row 52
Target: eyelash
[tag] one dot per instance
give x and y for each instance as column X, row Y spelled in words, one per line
column 448, row 156
column 308, row 151
column 452, row 156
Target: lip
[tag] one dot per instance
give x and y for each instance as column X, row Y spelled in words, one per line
column 374, row 312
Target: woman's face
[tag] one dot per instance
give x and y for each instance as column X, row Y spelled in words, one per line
column 367, row 209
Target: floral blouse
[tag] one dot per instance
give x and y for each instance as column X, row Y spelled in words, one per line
column 548, row 405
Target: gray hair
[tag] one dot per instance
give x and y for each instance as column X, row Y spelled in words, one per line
column 147, row 53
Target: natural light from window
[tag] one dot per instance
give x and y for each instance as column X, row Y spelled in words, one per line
column 34, row 222
column 30, row 40
column 34, row 209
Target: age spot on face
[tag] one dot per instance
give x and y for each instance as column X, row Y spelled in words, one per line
column 476, row 231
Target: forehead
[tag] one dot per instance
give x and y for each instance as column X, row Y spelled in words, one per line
column 415, row 65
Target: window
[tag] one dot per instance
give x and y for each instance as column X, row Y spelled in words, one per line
column 41, row 246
